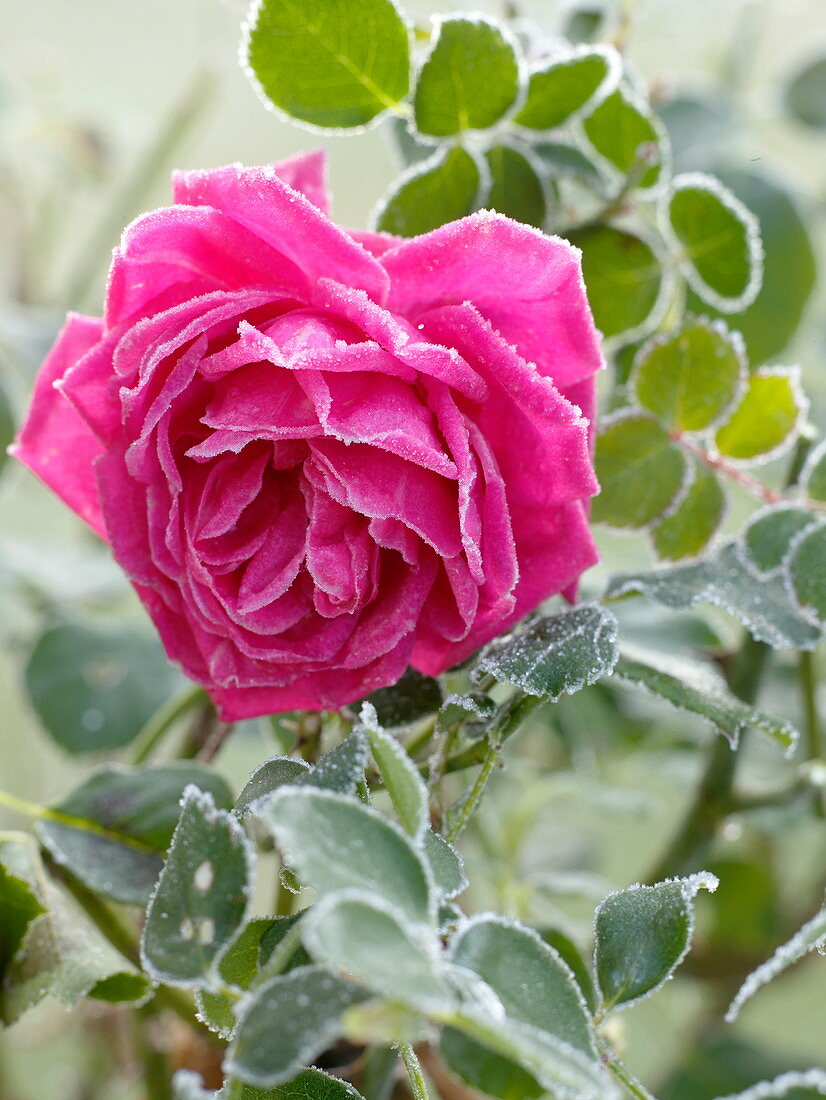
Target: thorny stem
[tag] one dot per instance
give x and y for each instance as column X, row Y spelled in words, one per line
column 739, row 477
column 206, row 735
column 807, row 675
column 713, row 799
column 415, row 1076
column 470, row 804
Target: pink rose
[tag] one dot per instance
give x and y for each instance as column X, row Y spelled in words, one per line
column 322, row 456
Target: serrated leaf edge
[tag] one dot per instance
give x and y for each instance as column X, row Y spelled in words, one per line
column 793, row 374
column 423, row 168
column 608, row 84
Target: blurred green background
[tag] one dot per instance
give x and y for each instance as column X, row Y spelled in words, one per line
column 98, row 100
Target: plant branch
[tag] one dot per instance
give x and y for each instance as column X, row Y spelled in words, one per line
column 807, row 675
column 162, row 722
column 415, row 1076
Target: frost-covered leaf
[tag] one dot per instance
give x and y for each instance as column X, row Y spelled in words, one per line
column 626, row 134
column 789, row 266
column 530, row 979
column 516, row 189
column 335, row 842
column 726, row 580
column 624, row 278
column 813, row 479
column 340, row 769
column 328, row 64
column 562, row 87
column 719, row 238
column 642, row 934
column 94, row 688
column 537, row 1019
column 374, row 942
column 469, row 78
column 557, row 655
column 446, row 865
column 807, row 572
column 640, row 469
column 112, row 832
column 237, row 969
column 490, row 1073
column 700, row 689
column 769, row 534
column 287, row 1022
column 266, row 778
column 202, row 897
column 811, row 1081
column 805, row 94
column 767, row 418
column 431, row 193
column 474, row 711
column 310, row 1084
column 691, row 376
column 812, row 936
column 400, row 775
column 55, row 951
column 412, row 697
column 688, row 529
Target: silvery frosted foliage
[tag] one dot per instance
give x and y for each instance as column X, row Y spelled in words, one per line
column 528, row 779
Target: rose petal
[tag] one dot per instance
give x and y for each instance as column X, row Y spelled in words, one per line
column 528, row 285
column 54, row 440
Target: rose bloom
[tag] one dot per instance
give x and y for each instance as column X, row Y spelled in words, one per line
column 321, row 456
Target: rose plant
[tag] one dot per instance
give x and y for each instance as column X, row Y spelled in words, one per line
column 357, row 479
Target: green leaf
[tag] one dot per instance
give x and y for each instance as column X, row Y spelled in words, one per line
column 401, row 776
column 562, row 161
column 626, row 135
column 530, row 979
column 691, row 376
column 688, row 530
column 335, row 842
column 310, row 1084
column 287, row 1022
column 438, row 190
column 329, row 64
column 698, row 688
column 805, row 95
column 445, row 865
column 374, row 942
column 340, row 769
column 767, row 418
column 559, row 89
column 266, row 778
column 484, row 1070
column 19, row 905
column 60, row 953
column 112, row 832
column 623, row 277
column 727, row 580
column 557, row 655
column 640, row 471
column 545, row 1028
column 813, row 478
column 807, row 571
column 469, row 78
column 769, row 534
column 642, row 934
column 413, row 697
column 95, row 688
column 811, row 937
column 722, row 255
column 202, row 897
column 237, row 969
column 409, row 149
column 516, row 189
column 790, row 272
column 583, row 22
